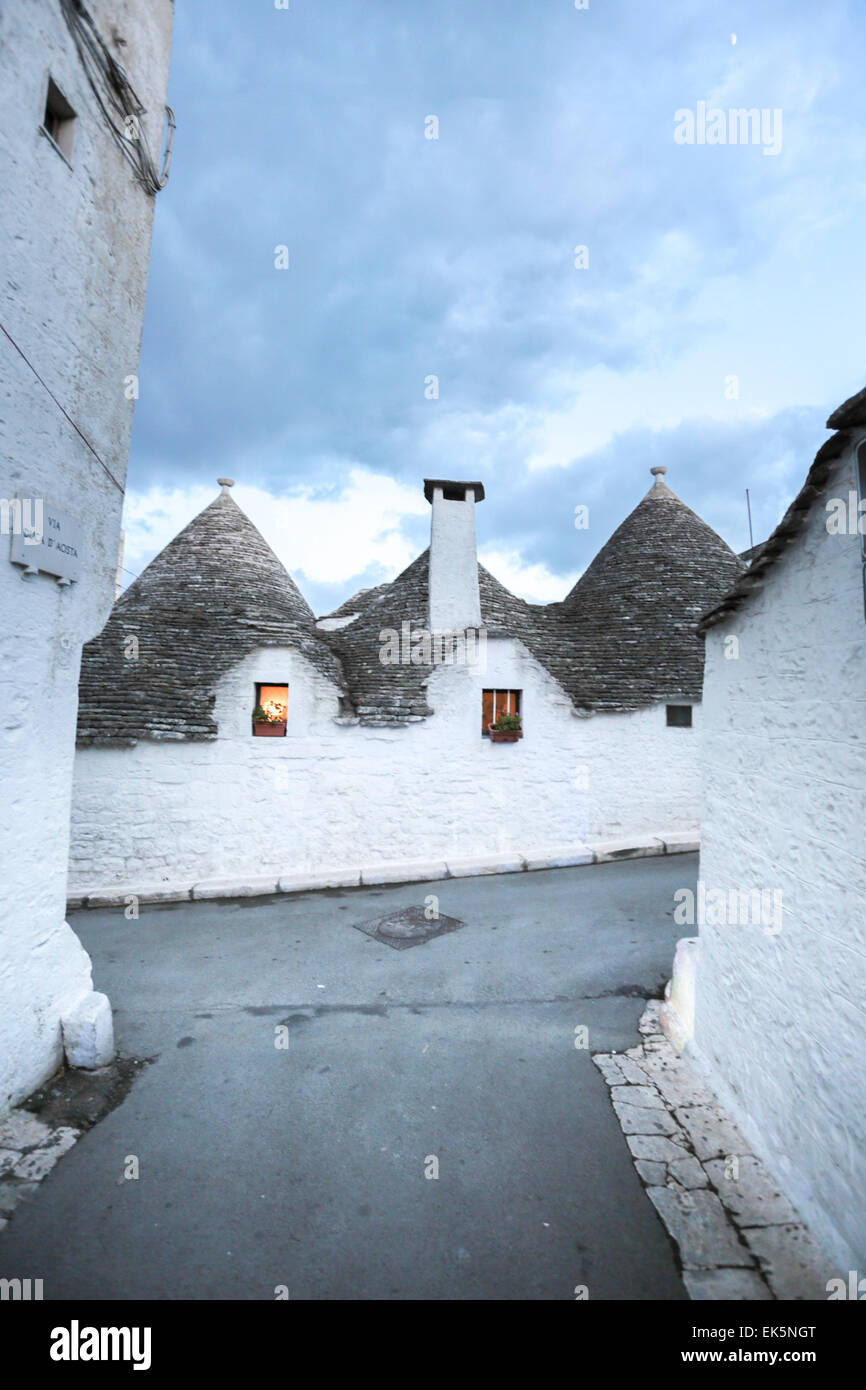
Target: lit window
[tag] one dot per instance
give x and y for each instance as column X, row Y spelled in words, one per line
column 679, row 716
column 501, row 707
column 59, row 119
column 270, row 711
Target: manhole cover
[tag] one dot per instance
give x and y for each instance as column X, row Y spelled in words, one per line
column 408, row 927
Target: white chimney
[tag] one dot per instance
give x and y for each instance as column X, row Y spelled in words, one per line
column 455, row 602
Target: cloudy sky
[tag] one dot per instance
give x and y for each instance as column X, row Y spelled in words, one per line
column 712, row 322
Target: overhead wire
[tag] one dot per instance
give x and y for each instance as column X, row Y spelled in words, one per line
column 61, row 408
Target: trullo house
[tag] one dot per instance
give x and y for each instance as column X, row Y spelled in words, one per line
column 779, row 1026
column 228, row 741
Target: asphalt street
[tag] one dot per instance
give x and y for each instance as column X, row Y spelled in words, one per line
column 305, row 1167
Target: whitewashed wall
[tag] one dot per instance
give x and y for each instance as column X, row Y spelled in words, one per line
column 781, row 1019
column 75, row 254
column 328, row 795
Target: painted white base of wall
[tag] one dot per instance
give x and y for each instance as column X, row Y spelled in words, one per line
column 406, row 871
column 677, row 1012
column 88, row 1033
column 41, row 981
column 45, row 972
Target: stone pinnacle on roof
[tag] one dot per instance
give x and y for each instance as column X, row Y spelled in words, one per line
column 225, row 484
column 660, row 489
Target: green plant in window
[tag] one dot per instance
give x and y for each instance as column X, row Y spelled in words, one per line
column 507, row 724
column 259, row 716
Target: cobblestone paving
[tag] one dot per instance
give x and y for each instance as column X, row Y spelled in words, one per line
column 737, row 1235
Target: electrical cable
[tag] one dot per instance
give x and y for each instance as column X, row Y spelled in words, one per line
column 117, row 100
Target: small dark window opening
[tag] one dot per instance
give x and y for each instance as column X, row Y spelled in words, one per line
column 496, row 702
column 59, row 119
column 454, row 494
column 270, row 711
column 679, row 716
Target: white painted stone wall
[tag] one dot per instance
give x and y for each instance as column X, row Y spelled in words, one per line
column 328, row 795
column 75, row 246
column 781, row 1018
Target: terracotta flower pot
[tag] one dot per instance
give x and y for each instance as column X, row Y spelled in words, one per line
column 269, row 730
column 503, row 735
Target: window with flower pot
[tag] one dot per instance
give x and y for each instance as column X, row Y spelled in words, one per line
column 270, row 710
column 501, row 710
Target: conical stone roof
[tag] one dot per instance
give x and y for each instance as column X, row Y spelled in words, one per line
column 633, row 615
column 214, row 594
column 624, row 638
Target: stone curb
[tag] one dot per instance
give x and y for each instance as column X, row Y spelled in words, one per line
column 396, row 871
column 737, row 1235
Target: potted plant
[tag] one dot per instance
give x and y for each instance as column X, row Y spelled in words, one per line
column 506, row 729
column 265, row 725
